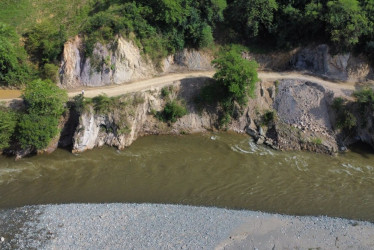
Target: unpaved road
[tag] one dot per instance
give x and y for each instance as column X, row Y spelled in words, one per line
column 116, row 90
column 151, row 226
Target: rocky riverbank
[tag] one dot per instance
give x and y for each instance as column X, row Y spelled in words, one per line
column 144, row 226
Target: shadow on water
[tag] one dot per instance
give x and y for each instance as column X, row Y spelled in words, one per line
column 362, row 148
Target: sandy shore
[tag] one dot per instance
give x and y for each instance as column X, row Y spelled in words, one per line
column 145, row 226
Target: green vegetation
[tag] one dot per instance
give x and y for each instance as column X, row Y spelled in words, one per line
column 45, row 103
column 34, row 127
column 235, row 80
column 268, row 117
column 161, row 27
column 173, row 110
column 14, row 69
column 344, row 118
column 8, row 121
column 316, row 141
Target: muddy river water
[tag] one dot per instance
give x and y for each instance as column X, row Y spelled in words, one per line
column 224, row 170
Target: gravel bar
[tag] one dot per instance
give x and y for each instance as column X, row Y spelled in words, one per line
column 153, row 226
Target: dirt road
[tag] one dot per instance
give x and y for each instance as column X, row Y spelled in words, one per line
column 116, row 90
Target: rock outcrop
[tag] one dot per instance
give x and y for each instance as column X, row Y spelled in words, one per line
column 301, row 120
column 115, row 63
column 342, row 67
column 119, row 62
column 319, row 61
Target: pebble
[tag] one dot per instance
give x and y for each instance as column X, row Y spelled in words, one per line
column 2, row 239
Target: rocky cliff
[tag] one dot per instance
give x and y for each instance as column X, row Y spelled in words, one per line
column 319, row 61
column 300, row 119
column 119, row 62
column 342, row 67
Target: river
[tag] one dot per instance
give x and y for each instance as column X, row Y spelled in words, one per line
column 224, row 170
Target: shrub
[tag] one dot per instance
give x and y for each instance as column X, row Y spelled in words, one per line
column 102, row 103
column 50, row 72
column 316, row 141
column 172, row 111
column 45, row 103
column 45, row 42
column 165, row 92
column 268, row 117
column 36, row 131
column 365, row 97
column 14, row 69
column 236, row 75
column 45, row 98
column 8, row 121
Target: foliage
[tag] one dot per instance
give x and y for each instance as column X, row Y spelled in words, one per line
column 344, row 118
column 45, row 104
column 268, row 117
column 346, row 23
column 50, row 72
column 45, row 98
column 316, row 141
column 365, row 97
column 172, row 111
column 44, row 42
column 14, row 69
column 8, row 121
column 36, row 131
column 165, row 92
column 102, row 103
column 235, row 75
column 252, row 16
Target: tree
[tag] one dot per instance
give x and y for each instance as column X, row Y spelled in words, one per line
column 8, row 121
column 252, row 16
column 36, row 131
column 45, row 104
column 45, row 98
column 236, row 75
column 346, row 22
column 13, row 66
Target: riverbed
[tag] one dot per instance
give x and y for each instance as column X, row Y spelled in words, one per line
column 222, row 170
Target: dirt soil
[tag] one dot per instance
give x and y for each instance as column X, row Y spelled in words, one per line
column 115, row 90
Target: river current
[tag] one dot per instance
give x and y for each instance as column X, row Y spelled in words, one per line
column 224, row 170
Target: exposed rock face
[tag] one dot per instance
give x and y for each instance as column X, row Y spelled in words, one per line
column 302, row 121
column 305, row 107
column 114, row 63
column 98, row 129
column 187, row 60
column 342, row 67
column 120, row 62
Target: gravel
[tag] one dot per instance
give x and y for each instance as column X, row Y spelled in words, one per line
column 151, row 226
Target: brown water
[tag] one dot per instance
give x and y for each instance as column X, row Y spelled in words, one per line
column 226, row 171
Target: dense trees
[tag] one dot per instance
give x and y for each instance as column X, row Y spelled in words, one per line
column 8, row 121
column 45, row 104
column 161, row 27
column 14, row 69
column 38, row 124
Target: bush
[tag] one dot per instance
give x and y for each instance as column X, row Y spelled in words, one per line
column 8, row 121
column 45, row 98
column 102, row 103
column 45, row 42
column 36, row 131
column 344, row 118
column 365, row 97
column 236, row 75
column 50, row 72
column 172, row 111
column 45, row 103
column 268, row 117
column 235, row 78
column 14, row 69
